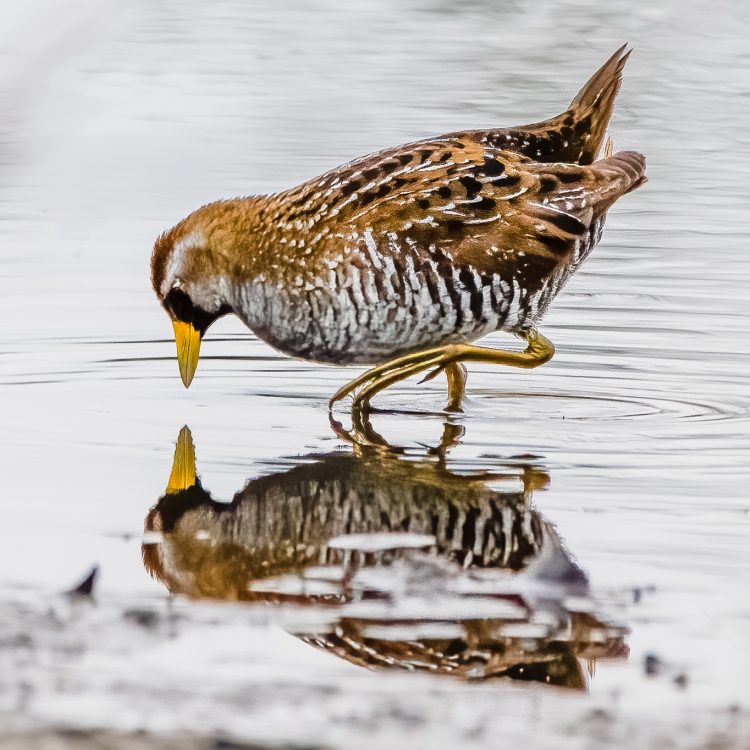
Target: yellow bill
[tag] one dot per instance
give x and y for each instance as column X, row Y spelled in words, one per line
column 183, row 465
column 188, row 341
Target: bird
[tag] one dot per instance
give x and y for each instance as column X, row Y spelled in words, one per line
column 403, row 258
column 274, row 543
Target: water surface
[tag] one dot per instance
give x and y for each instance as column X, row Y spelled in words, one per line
column 119, row 119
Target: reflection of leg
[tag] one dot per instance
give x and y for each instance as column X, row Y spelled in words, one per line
column 451, row 437
column 362, row 436
column 534, row 478
column 538, row 351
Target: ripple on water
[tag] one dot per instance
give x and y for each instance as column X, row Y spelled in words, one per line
column 603, row 406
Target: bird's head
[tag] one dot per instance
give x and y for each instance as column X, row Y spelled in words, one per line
column 191, row 282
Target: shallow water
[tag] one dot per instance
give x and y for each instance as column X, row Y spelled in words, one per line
column 118, row 119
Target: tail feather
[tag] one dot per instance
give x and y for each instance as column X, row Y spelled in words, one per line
column 603, row 85
column 588, row 192
column 567, row 216
column 616, row 176
column 581, row 128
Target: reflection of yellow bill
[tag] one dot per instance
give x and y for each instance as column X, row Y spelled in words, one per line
column 188, row 342
column 183, row 465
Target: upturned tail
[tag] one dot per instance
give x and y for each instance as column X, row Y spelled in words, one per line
column 579, row 131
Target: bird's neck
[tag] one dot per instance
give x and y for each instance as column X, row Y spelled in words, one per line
column 254, row 250
column 243, row 238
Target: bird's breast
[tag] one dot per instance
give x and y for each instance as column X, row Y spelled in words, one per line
column 364, row 305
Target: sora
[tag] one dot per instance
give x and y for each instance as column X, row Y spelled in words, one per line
column 494, row 573
column 404, row 257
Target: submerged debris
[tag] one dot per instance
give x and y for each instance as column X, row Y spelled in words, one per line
column 86, row 586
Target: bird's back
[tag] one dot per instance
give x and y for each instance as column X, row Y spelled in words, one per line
column 442, row 240
column 435, row 242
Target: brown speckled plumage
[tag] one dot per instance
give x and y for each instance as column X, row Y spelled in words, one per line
column 423, row 245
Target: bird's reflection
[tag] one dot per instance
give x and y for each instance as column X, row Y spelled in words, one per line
column 415, row 566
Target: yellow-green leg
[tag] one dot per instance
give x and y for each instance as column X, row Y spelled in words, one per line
column 456, row 375
column 538, row 351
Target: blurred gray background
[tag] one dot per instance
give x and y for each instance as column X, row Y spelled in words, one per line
column 119, row 118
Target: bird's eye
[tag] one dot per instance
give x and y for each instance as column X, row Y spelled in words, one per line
column 179, row 305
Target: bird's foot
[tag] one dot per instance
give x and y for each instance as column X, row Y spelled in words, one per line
column 378, row 378
column 449, row 358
